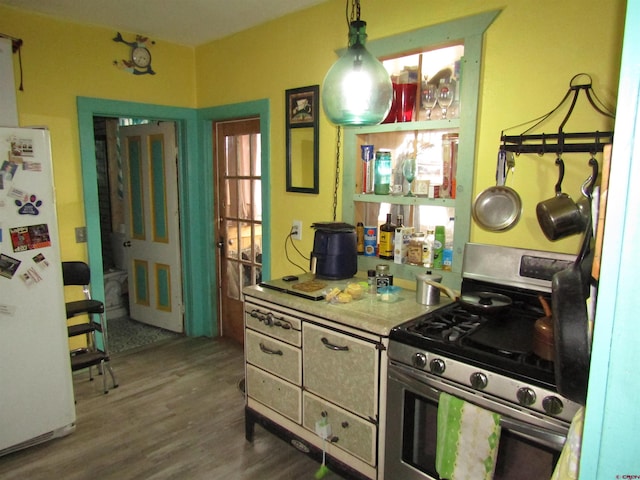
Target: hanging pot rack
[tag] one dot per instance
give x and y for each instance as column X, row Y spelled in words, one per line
column 562, row 142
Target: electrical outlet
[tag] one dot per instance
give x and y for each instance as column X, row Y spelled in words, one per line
column 296, row 230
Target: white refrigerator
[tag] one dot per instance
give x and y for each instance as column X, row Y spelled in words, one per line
column 36, row 389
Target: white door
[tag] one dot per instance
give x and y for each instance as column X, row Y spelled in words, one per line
column 152, row 227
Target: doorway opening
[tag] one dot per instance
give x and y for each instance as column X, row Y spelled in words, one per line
column 125, row 331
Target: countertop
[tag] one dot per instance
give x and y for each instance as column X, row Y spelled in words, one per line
column 368, row 313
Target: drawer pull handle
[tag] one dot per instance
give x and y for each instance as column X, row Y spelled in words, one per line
column 269, row 351
column 331, row 346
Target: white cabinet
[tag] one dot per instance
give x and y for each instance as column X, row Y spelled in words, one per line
column 302, row 371
column 341, row 369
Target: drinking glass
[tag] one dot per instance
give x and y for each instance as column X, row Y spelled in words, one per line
column 429, row 98
column 409, row 172
column 445, row 96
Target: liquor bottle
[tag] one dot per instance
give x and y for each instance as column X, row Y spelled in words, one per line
column 438, row 247
column 360, row 237
column 387, row 231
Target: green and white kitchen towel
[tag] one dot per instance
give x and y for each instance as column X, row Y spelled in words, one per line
column 468, row 438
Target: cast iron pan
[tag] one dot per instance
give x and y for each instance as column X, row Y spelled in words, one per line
column 569, row 291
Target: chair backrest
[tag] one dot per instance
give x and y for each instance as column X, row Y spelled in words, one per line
column 76, row 273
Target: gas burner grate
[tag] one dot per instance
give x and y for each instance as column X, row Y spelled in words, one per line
column 447, row 325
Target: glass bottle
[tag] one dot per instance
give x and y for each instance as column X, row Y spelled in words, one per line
column 382, row 174
column 387, row 231
column 360, row 237
column 438, row 246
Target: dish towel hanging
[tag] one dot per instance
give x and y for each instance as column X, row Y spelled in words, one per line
column 467, row 440
column 567, row 466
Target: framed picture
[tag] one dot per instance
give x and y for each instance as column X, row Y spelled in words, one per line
column 302, row 139
column 302, row 106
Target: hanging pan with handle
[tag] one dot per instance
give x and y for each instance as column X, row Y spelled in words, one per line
column 569, row 292
column 498, row 208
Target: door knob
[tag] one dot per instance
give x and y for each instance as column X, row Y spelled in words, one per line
column 127, row 243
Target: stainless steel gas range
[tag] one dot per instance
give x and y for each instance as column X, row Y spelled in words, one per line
column 482, row 353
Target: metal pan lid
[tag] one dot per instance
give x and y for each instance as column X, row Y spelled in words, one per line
column 497, row 208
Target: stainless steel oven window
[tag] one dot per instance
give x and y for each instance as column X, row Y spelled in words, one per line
column 412, row 430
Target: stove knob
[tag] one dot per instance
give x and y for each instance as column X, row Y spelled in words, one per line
column 552, row 405
column 419, row 360
column 526, row 396
column 478, row 380
column 437, row 366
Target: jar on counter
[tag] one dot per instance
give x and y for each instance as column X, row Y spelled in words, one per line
column 414, row 250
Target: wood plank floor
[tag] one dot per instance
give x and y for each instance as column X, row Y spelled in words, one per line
column 178, row 414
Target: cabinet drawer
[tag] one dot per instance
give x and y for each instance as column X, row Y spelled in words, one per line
column 275, row 356
column 273, row 323
column 274, row 392
column 350, row 433
column 341, row 368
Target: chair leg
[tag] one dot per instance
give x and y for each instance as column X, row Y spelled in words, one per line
column 113, row 375
column 104, row 378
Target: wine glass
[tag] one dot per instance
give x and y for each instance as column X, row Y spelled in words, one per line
column 409, row 172
column 429, row 98
column 445, row 96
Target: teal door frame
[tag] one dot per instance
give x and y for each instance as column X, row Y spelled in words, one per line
column 195, row 178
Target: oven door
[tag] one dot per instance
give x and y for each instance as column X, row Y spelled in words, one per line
column 526, row 452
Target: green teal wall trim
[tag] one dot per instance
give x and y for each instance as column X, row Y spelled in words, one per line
column 196, row 211
column 195, row 144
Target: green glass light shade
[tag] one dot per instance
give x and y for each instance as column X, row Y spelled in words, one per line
column 357, row 89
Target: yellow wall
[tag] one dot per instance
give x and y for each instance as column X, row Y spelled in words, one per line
column 531, row 52
column 64, row 60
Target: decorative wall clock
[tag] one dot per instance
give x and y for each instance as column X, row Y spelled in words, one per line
column 139, row 62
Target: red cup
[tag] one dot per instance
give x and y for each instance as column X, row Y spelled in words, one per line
column 393, row 112
column 405, row 95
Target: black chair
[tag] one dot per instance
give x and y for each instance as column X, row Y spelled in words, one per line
column 96, row 352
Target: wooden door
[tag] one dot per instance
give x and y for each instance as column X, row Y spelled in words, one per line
column 152, row 224
column 239, row 218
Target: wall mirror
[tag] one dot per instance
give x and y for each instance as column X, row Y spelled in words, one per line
column 302, row 139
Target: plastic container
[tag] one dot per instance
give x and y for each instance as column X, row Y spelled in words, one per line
column 438, row 247
column 389, row 294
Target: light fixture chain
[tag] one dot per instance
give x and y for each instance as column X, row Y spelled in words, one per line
column 337, row 180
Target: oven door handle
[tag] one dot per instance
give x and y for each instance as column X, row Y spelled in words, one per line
column 535, row 434
column 521, row 429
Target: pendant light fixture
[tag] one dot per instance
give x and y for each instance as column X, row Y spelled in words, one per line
column 357, row 89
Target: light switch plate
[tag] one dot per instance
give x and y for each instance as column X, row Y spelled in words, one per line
column 81, row 234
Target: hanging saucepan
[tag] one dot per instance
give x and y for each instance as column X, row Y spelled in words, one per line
column 485, row 302
column 498, row 208
column 560, row 216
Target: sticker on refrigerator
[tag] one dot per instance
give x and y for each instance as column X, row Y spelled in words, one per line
column 30, row 277
column 40, row 261
column 21, row 147
column 30, row 238
column 9, row 310
column 30, row 207
column 8, row 266
column 8, row 170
